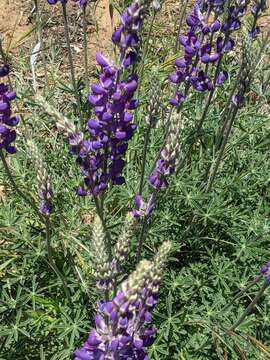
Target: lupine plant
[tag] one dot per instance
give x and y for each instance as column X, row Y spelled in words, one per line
column 149, row 171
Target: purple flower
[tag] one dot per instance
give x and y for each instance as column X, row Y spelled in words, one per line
column 53, row 2
column 101, row 158
column 7, row 120
column 221, row 78
column 265, row 270
column 178, row 99
column 83, row 3
column 143, row 209
column 122, row 325
column 126, row 35
column 258, row 7
column 202, row 46
column 4, row 70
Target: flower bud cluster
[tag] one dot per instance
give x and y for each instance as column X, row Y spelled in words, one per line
column 122, row 325
column 168, row 158
column 122, row 246
column 44, row 182
column 63, row 123
column 7, row 120
column 154, row 102
column 102, row 268
column 126, row 35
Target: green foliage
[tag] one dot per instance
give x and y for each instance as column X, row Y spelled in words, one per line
column 221, row 238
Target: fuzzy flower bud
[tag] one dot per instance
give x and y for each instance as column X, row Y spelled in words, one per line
column 100, row 256
column 123, row 244
column 156, row 5
column 154, row 102
column 168, row 158
column 44, row 182
column 63, row 123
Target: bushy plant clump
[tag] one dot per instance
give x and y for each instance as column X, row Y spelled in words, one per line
column 135, row 204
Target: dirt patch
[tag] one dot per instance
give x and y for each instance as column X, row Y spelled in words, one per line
column 14, row 23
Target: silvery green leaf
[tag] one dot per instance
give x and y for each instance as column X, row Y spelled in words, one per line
column 33, row 60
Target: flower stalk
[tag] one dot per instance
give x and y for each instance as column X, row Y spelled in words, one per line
column 70, row 59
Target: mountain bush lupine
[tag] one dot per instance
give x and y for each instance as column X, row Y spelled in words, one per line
column 7, row 121
column 101, row 156
column 122, row 325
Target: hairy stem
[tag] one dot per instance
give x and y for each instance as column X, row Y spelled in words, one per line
column 100, row 213
column 70, row 59
column 141, row 238
column 145, row 148
column 50, row 258
column 183, row 12
column 249, row 308
column 85, row 48
column 146, row 49
column 40, row 40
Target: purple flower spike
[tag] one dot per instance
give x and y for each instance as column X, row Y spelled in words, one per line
column 202, row 46
column 7, row 121
column 122, row 324
column 126, row 35
column 101, row 157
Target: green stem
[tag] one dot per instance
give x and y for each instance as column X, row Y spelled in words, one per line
column 50, row 258
column 180, row 26
column 222, row 122
column 141, row 238
column 108, row 235
column 240, row 293
column 249, row 308
column 40, row 40
column 71, row 65
column 5, row 60
column 16, row 187
column 145, row 148
column 214, row 168
column 85, row 47
column 146, row 49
